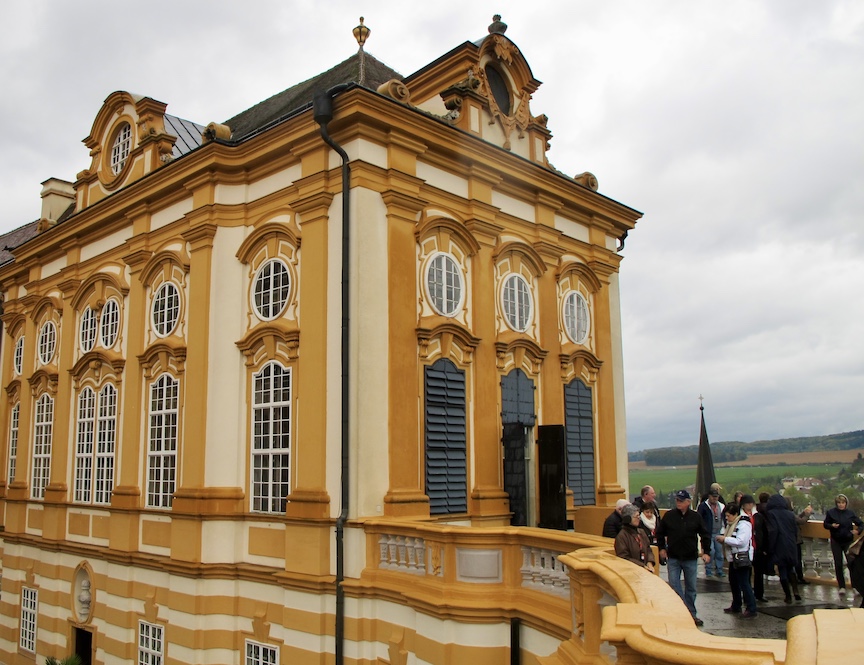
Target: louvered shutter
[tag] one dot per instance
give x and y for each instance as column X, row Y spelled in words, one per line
column 446, row 470
column 579, row 418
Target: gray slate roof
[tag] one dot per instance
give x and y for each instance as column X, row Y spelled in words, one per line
column 188, row 134
column 14, row 238
column 299, row 96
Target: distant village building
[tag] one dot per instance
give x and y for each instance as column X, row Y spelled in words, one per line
column 207, row 458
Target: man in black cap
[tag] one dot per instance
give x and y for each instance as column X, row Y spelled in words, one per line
column 678, row 536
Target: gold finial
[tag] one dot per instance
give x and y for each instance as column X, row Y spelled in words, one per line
column 361, row 33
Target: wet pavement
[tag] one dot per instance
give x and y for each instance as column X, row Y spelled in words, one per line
column 713, row 594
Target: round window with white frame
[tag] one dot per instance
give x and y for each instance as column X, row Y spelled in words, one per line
column 576, row 317
column 121, row 147
column 517, row 303
column 47, row 342
column 87, row 330
column 444, row 284
column 270, row 289
column 18, row 356
column 109, row 323
column 166, row 309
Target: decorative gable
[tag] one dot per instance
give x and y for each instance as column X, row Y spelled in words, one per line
column 485, row 88
column 131, row 137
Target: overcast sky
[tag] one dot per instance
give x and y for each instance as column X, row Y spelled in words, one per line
column 736, row 127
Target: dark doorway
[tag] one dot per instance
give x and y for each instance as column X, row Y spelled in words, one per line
column 552, row 461
column 514, row 473
column 83, row 645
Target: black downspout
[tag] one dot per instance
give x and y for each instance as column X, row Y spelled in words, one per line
column 515, row 644
column 323, row 113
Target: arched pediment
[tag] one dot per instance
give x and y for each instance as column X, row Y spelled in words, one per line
column 526, row 252
column 165, row 356
column 448, row 334
column 523, row 351
column 45, row 308
column 580, row 364
column 270, row 234
column 14, row 323
column 275, row 339
column 585, row 273
column 98, row 283
column 99, row 363
column 158, row 262
column 434, row 223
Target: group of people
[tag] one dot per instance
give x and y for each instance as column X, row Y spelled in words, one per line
column 747, row 538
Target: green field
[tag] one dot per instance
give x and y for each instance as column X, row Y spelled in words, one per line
column 669, row 480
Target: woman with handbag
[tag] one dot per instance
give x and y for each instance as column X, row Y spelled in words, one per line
column 737, row 541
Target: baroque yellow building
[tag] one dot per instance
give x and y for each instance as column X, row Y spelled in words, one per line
column 301, row 386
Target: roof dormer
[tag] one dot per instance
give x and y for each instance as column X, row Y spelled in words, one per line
column 131, row 137
column 485, row 88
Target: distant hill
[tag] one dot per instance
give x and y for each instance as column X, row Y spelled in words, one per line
column 730, row 451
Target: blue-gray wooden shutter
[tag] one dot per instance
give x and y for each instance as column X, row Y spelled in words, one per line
column 579, row 423
column 517, row 399
column 446, row 470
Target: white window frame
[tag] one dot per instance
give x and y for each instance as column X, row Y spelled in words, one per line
column 517, row 302
column 258, row 653
column 14, row 419
column 163, row 430
column 151, row 643
column 165, row 309
column 271, row 289
column 87, row 330
column 47, row 342
column 121, row 147
column 95, row 445
column 577, row 317
column 444, row 284
column 271, row 438
column 18, row 355
column 43, row 434
column 109, row 323
column 29, row 618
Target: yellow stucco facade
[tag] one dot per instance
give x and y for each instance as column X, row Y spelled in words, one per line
column 172, row 361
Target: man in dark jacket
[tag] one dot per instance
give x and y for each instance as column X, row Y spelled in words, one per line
column 612, row 525
column 647, row 495
column 782, row 543
column 678, row 538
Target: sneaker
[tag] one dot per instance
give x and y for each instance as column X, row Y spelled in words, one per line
column 842, row 591
column 698, row 621
column 732, row 610
column 747, row 614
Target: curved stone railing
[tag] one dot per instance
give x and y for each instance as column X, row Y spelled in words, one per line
column 816, row 557
column 623, row 614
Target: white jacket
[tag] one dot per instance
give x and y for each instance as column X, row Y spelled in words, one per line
column 739, row 538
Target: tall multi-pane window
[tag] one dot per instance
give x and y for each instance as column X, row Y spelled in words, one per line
column 29, row 613
column 444, row 284
column 47, row 342
column 516, row 300
column 96, row 439
column 121, row 147
column 576, row 319
column 13, row 441
column 271, row 438
column 150, row 644
column 109, row 323
column 18, row 355
column 43, row 433
column 162, row 441
column 166, row 309
column 270, row 289
column 87, row 331
column 261, row 654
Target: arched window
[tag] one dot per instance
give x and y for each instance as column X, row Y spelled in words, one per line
column 109, row 324
column 18, row 357
column 444, row 284
column 162, row 441
column 14, row 417
column 579, row 426
column 270, row 290
column 166, row 309
column 446, row 438
column 95, row 445
column 47, row 342
column 576, row 317
column 271, row 438
column 87, row 331
column 121, row 147
column 43, row 434
column 517, row 303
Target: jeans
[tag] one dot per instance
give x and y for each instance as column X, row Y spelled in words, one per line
column 715, row 566
column 674, row 567
column 739, row 583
